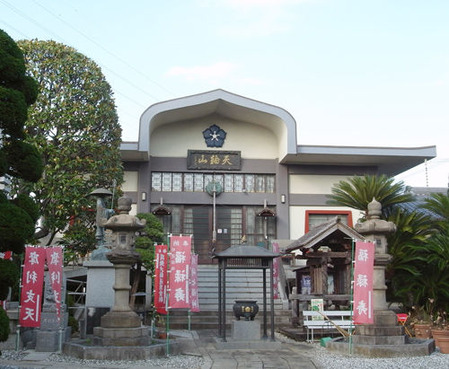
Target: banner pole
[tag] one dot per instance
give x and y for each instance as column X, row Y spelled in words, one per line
column 19, row 306
column 167, row 326
column 351, row 299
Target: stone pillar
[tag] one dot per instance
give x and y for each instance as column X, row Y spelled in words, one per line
column 53, row 330
column 385, row 330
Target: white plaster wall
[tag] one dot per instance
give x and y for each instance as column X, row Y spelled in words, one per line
column 254, row 142
column 130, row 181
column 313, row 184
column 298, row 217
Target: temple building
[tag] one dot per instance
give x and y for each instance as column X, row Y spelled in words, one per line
column 228, row 170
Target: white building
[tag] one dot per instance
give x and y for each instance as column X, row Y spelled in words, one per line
column 266, row 185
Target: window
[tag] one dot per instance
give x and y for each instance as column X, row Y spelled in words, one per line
column 177, row 182
column 316, row 217
column 166, row 181
column 238, row 182
column 228, row 183
column 156, row 182
column 197, row 182
column 188, row 182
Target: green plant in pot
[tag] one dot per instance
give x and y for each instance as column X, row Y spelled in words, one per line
column 440, row 328
column 421, row 317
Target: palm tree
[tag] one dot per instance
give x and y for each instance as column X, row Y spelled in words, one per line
column 438, row 205
column 358, row 192
column 417, row 270
column 407, row 246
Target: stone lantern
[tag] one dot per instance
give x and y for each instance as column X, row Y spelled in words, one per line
column 122, row 326
column 385, row 324
column 384, row 338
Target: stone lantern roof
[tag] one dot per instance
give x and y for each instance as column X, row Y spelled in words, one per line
column 123, row 221
column 373, row 224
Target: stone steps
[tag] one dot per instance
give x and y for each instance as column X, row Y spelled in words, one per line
column 240, row 285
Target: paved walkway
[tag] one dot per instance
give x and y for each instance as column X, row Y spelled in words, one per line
column 290, row 355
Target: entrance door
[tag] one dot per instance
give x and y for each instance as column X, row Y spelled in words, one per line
column 234, row 225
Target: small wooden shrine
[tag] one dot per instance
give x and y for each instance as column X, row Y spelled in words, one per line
column 326, row 274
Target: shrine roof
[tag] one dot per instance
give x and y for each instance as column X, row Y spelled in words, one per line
column 317, row 234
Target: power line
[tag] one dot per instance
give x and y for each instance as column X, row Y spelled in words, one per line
column 31, row 20
column 104, row 49
column 39, row 25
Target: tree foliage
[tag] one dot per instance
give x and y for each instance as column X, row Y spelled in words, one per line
column 357, row 192
column 438, row 205
column 19, row 160
column 418, row 270
column 152, row 234
column 75, row 125
column 79, row 238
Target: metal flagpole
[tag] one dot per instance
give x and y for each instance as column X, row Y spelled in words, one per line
column 167, row 325
column 19, row 307
column 351, row 299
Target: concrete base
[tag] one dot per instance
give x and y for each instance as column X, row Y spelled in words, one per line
column 412, row 347
column 245, row 330
column 99, row 291
column 247, row 345
column 86, row 351
column 121, row 336
column 101, row 275
column 49, row 341
column 378, row 340
column 246, row 335
column 52, row 331
column 120, row 319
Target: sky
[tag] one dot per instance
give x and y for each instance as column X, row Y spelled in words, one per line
column 351, row 72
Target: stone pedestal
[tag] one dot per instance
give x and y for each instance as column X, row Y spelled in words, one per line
column 121, row 326
column 243, row 330
column 246, row 335
column 139, row 336
column 99, row 291
column 52, row 332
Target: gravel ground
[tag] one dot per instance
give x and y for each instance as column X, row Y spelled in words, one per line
column 176, row 361
column 331, row 360
column 337, row 361
column 322, row 357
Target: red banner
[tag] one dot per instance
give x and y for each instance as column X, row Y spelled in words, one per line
column 363, row 283
column 54, row 262
column 32, row 283
column 194, row 301
column 180, row 255
column 160, row 278
column 275, row 247
column 5, row 255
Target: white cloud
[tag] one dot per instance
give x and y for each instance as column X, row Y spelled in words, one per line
column 214, row 72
